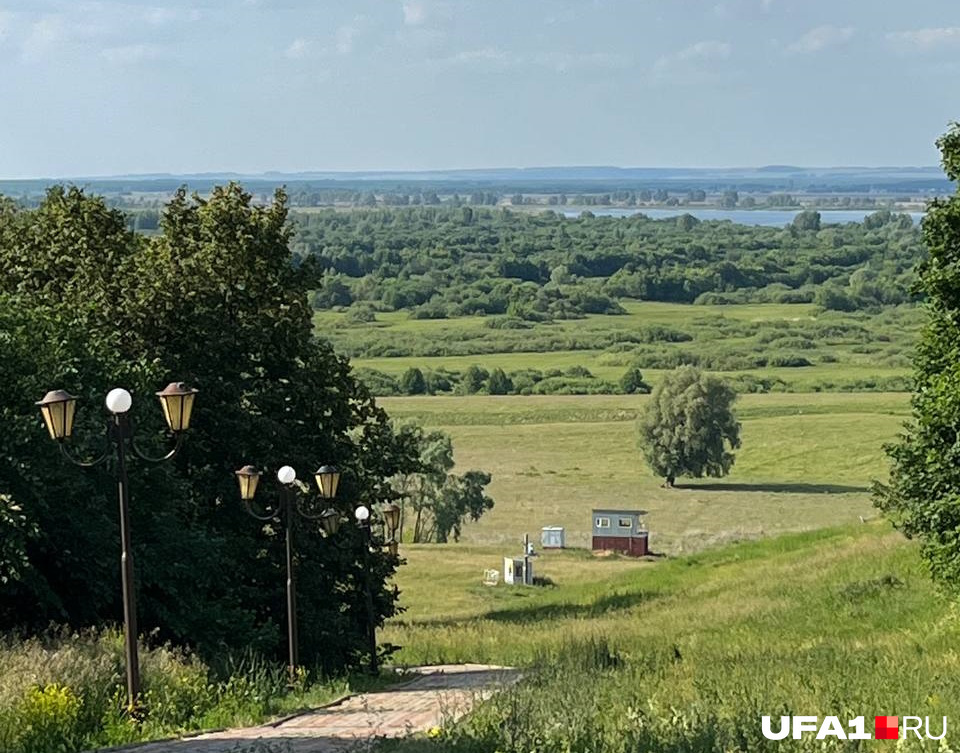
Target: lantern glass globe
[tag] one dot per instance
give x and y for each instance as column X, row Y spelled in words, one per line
column 362, row 513
column 118, row 400
column 286, row 475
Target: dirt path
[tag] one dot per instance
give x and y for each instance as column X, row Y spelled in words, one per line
column 444, row 692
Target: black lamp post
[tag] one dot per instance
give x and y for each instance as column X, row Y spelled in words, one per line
column 58, row 408
column 391, row 520
column 286, row 512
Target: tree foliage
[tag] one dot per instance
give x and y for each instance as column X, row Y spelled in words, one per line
column 214, row 300
column 435, row 263
column 689, row 428
column 632, row 382
column 439, row 500
column 922, row 497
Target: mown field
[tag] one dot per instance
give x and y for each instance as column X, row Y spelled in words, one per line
column 807, row 462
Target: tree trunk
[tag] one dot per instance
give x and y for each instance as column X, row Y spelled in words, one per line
column 668, row 482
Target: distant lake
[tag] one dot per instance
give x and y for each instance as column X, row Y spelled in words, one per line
column 764, row 217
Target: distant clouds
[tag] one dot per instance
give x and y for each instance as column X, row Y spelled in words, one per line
column 131, row 53
column 414, row 13
column 342, row 43
column 703, row 51
column 559, row 62
column 925, row 39
column 820, row 38
column 688, row 61
column 297, row 49
column 162, row 15
column 345, row 36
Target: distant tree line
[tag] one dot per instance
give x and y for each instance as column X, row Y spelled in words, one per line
column 448, row 262
column 478, row 380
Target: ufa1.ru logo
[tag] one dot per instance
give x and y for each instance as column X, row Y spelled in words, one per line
column 884, row 728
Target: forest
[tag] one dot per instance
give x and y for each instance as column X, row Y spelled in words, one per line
column 439, row 263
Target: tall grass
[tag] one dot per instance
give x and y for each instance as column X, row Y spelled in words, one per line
column 689, row 654
column 65, row 691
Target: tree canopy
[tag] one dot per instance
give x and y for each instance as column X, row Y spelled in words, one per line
column 689, row 428
column 922, row 497
column 213, row 300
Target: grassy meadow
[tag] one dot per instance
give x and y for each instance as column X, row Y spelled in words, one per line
column 782, row 592
column 687, row 654
column 843, row 351
column 807, row 462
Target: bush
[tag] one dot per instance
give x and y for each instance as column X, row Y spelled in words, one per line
column 378, row 382
column 360, row 314
column 632, row 382
column 507, row 322
column 499, row 383
column 412, row 382
column 565, row 385
column 788, row 361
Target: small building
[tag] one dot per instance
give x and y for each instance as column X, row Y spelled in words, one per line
column 620, row 531
column 552, row 537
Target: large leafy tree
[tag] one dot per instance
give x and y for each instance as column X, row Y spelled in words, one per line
column 214, row 300
column 439, row 500
column 922, row 497
column 689, row 428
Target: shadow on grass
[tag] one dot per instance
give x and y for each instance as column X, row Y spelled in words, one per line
column 535, row 612
column 785, row 488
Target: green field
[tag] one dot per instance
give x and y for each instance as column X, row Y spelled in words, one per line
column 807, row 462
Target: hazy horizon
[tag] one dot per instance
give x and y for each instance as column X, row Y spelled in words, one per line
column 456, row 171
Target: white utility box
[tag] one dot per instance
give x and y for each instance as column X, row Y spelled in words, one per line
column 517, row 571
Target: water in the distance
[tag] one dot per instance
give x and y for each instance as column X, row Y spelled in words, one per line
column 765, row 217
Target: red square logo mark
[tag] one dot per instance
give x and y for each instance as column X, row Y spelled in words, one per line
column 886, row 728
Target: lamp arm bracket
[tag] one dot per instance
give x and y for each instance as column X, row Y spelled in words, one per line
column 143, row 456
column 307, row 515
column 83, row 463
column 270, row 516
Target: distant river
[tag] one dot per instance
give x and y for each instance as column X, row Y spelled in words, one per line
column 765, row 217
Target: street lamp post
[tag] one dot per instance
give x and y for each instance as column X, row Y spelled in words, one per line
column 286, row 512
column 362, row 514
column 58, row 409
column 391, row 520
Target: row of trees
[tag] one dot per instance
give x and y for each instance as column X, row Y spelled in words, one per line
column 476, row 380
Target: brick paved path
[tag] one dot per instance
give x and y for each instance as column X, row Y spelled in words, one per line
column 444, row 692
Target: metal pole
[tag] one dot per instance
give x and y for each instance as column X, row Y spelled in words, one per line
column 527, row 581
column 371, row 624
column 126, row 569
column 291, row 587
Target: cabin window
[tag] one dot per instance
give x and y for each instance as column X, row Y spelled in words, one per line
column 625, row 522
column 603, row 522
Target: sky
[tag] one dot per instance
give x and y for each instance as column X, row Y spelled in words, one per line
column 120, row 87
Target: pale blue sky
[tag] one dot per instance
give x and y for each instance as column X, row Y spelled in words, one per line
column 108, row 87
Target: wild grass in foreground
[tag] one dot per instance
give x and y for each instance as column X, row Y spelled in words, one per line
column 687, row 655
column 65, row 692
